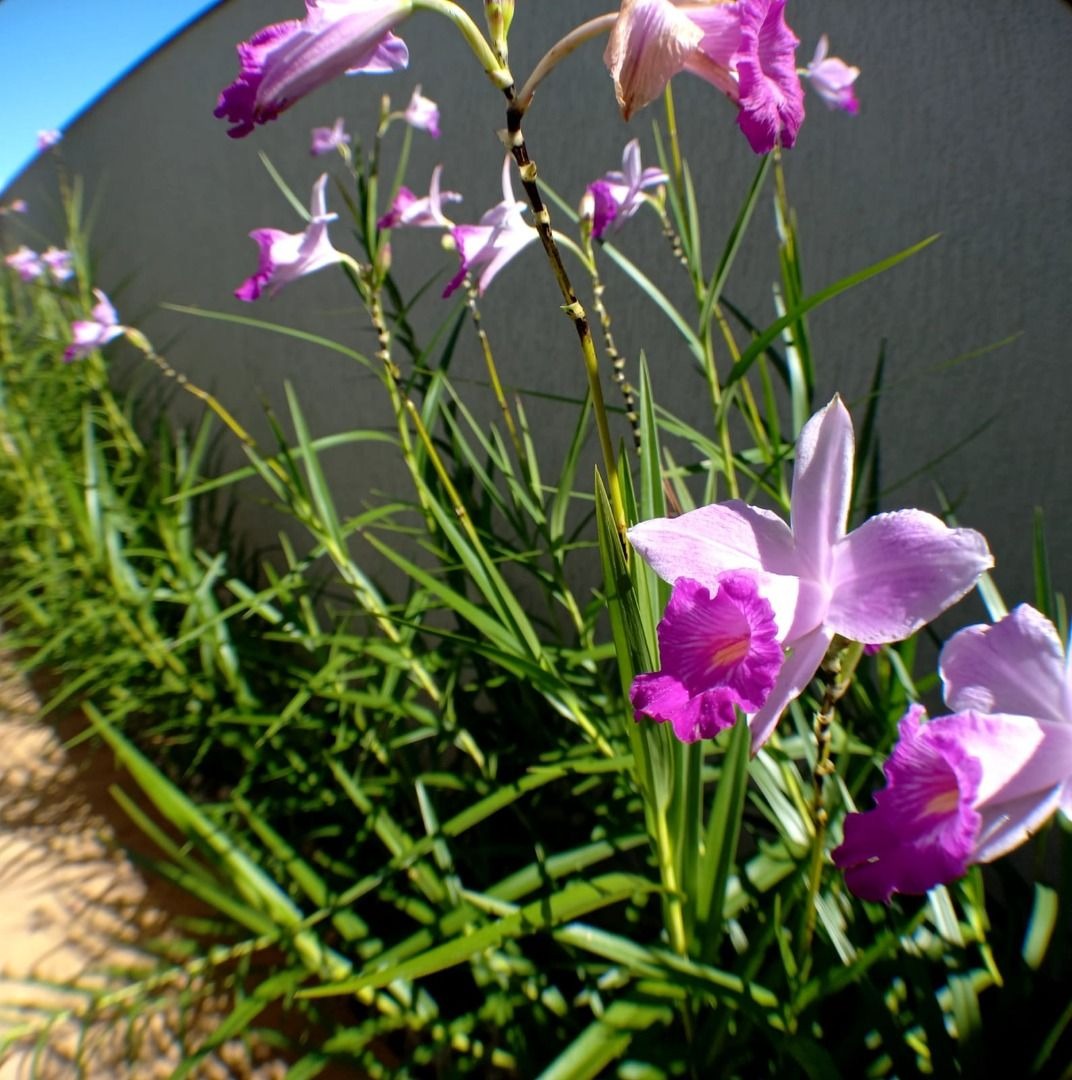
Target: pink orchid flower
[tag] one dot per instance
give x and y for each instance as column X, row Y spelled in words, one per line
column 832, row 79
column 425, row 212
column 285, row 61
column 285, row 257
column 960, row 789
column 617, row 196
column 969, row 787
column 326, row 139
column 94, row 332
column 60, row 263
column 719, row 652
column 745, row 49
column 422, row 113
column 26, row 263
column 876, row 584
column 485, row 248
column 49, row 138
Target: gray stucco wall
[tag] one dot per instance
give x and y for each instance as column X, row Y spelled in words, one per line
column 966, row 109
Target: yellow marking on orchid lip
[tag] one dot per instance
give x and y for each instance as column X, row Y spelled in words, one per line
column 727, row 653
column 945, row 803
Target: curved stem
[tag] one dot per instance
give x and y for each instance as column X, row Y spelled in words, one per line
column 558, row 52
column 492, row 65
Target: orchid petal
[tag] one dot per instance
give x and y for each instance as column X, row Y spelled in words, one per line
column 707, row 542
column 1025, row 763
column 649, row 44
column 1015, row 666
column 1008, row 825
column 288, row 60
column 923, row 827
column 771, row 99
column 822, row 485
column 898, row 571
column 799, row 669
column 1019, row 754
column 390, row 54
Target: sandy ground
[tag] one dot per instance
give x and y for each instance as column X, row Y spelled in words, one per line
column 74, row 910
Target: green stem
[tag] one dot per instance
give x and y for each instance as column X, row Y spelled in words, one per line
column 675, row 143
column 840, row 681
column 485, row 54
column 617, row 360
column 674, row 906
column 493, row 375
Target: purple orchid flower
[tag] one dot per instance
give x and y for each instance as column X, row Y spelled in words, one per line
column 425, row 212
column 876, row 584
column 745, row 49
column 960, row 789
column 719, row 652
column 1017, row 666
column 422, row 113
column 94, row 332
column 48, row 138
column 285, row 61
column 26, row 263
column 617, row 196
column 285, row 257
column 326, row 139
column 485, row 248
column 831, row 78
column 60, row 264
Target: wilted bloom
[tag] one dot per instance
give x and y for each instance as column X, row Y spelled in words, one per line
column 94, row 332
column 618, row 195
column 832, row 79
column 484, row 249
column 719, row 652
column 59, row 262
column 326, row 139
column 422, row 113
column 288, row 60
column 424, row 212
column 26, row 263
column 744, row 49
column 960, row 789
column 876, row 584
column 48, row 138
column 285, row 257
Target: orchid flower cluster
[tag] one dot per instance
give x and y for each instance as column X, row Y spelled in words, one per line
column 756, row 603
column 54, row 263
column 755, row 607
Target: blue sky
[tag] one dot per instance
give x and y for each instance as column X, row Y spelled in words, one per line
column 56, row 56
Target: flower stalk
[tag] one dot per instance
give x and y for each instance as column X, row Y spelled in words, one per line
column 574, row 309
column 493, row 66
column 841, row 672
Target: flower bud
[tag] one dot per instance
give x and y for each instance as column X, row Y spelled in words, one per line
column 499, row 14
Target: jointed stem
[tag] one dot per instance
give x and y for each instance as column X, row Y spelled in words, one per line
column 573, row 308
column 616, row 359
column 840, row 681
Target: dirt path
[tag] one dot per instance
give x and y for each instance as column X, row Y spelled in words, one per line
column 75, row 910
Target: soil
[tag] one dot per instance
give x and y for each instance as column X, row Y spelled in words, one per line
column 78, row 919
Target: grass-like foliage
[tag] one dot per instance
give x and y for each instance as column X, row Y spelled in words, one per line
column 424, row 816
